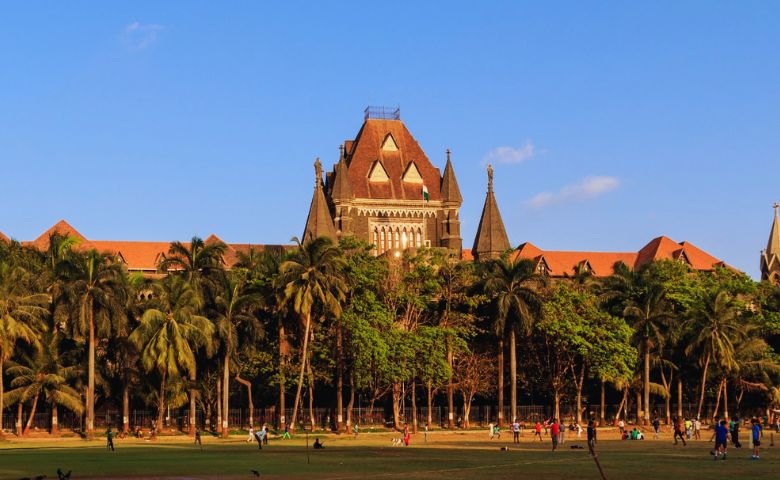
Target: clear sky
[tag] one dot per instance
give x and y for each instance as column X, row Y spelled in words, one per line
column 608, row 123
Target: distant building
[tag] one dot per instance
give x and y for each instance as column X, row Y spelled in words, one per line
column 770, row 258
column 385, row 191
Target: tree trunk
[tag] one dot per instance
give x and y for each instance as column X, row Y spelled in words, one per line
column 703, row 385
column 450, row 390
column 226, row 395
column 91, row 374
column 638, row 407
column 622, row 405
column 466, row 410
column 680, row 397
column 193, row 394
column 161, row 405
column 500, row 382
column 602, row 406
column 430, row 405
column 339, row 378
column 248, row 386
column 396, row 406
column 646, row 400
column 302, row 371
column 55, row 424
column 414, row 407
column 668, row 404
column 579, row 381
column 2, row 392
column 19, row 419
column 219, row 406
column 725, row 399
column 208, row 416
column 126, row 408
column 351, row 401
column 513, row 373
column 717, row 399
column 310, row 375
column 282, row 364
column 556, row 406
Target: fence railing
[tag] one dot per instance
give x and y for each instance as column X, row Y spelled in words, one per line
column 325, row 418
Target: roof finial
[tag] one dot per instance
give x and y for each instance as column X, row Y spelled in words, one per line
column 776, row 206
column 490, row 177
column 448, row 154
column 341, row 151
column 318, row 170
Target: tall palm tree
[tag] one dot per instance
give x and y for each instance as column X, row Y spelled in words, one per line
column 44, row 374
column 170, row 332
column 234, row 322
column 640, row 299
column 716, row 331
column 94, row 299
column 312, row 283
column 201, row 262
column 21, row 314
column 514, row 287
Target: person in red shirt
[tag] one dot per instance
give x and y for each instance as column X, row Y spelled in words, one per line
column 555, row 429
column 538, row 431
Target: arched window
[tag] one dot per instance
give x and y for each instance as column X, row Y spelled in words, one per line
column 404, row 239
column 376, row 240
column 411, row 238
column 419, row 238
column 397, row 238
column 390, row 238
column 382, row 241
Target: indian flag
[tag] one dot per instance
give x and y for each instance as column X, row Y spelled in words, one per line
column 425, row 193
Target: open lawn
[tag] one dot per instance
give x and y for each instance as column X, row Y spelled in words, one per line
column 448, row 456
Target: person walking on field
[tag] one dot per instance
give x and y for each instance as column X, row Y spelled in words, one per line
column 516, row 431
column 721, row 439
column 621, row 426
column 656, row 427
column 697, row 429
column 555, row 430
column 538, row 430
column 110, row 439
column 679, row 431
column 756, row 436
column 592, row 435
column 197, row 438
column 251, row 437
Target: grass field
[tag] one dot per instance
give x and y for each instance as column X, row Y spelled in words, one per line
column 448, row 456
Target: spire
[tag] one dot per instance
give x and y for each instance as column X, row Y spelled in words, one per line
column 342, row 188
column 491, row 238
column 449, row 184
column 319, row 222
column 773, row 246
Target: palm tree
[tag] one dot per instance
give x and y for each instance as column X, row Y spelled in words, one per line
column 21, row 314
column 642, row 300
column 716, row 330
column 94, row 298
column 170, row 332
column 234, row 322
column 312, row 282
column 201, row 262
column 514, row 287
column 45, row 375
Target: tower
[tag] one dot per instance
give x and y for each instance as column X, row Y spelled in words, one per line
column 491, row 240
column 319, row 222
column 770, row 258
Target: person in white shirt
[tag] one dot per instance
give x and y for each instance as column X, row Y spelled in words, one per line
column 251, row 437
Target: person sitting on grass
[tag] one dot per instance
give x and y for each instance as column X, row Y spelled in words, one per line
column 317, row 444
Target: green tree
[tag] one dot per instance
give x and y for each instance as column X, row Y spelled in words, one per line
column 514, row 287
column 313, row 283
column 170, row 332
column 94, row 298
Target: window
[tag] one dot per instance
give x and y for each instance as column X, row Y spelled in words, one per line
column 412, row 175
column 377, row 173
column 389, row 144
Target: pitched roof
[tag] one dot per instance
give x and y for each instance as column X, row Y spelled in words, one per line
column 60, row 228
column 449, row 184
column 319, row 222
column 491, row 239
column 561, row 263
column 4, row 238
column 342, row 188
column 367, row 149
column 136, row 255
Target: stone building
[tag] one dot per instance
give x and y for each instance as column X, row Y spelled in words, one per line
column 770, row 258
column 384, row 190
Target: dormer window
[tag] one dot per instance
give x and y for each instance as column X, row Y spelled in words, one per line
column 378, row 173
column 389, row 144
column 412, row 175
column 541, row 267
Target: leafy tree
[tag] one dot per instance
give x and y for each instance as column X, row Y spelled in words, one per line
column 170, row 332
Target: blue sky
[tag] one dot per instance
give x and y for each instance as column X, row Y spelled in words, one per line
column 608, row 123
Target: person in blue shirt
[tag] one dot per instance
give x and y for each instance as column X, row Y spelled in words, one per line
column 721, row 439
column 757, row 433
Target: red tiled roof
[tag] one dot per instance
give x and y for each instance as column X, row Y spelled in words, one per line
column 467, row 255
column 137, row 255
column 61, row 228
column 367, row 149
column 562, row 263
column 4, row 238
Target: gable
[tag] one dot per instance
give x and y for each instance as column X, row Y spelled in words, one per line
column 378, row 173
column 412, row 175
column 389, row 144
